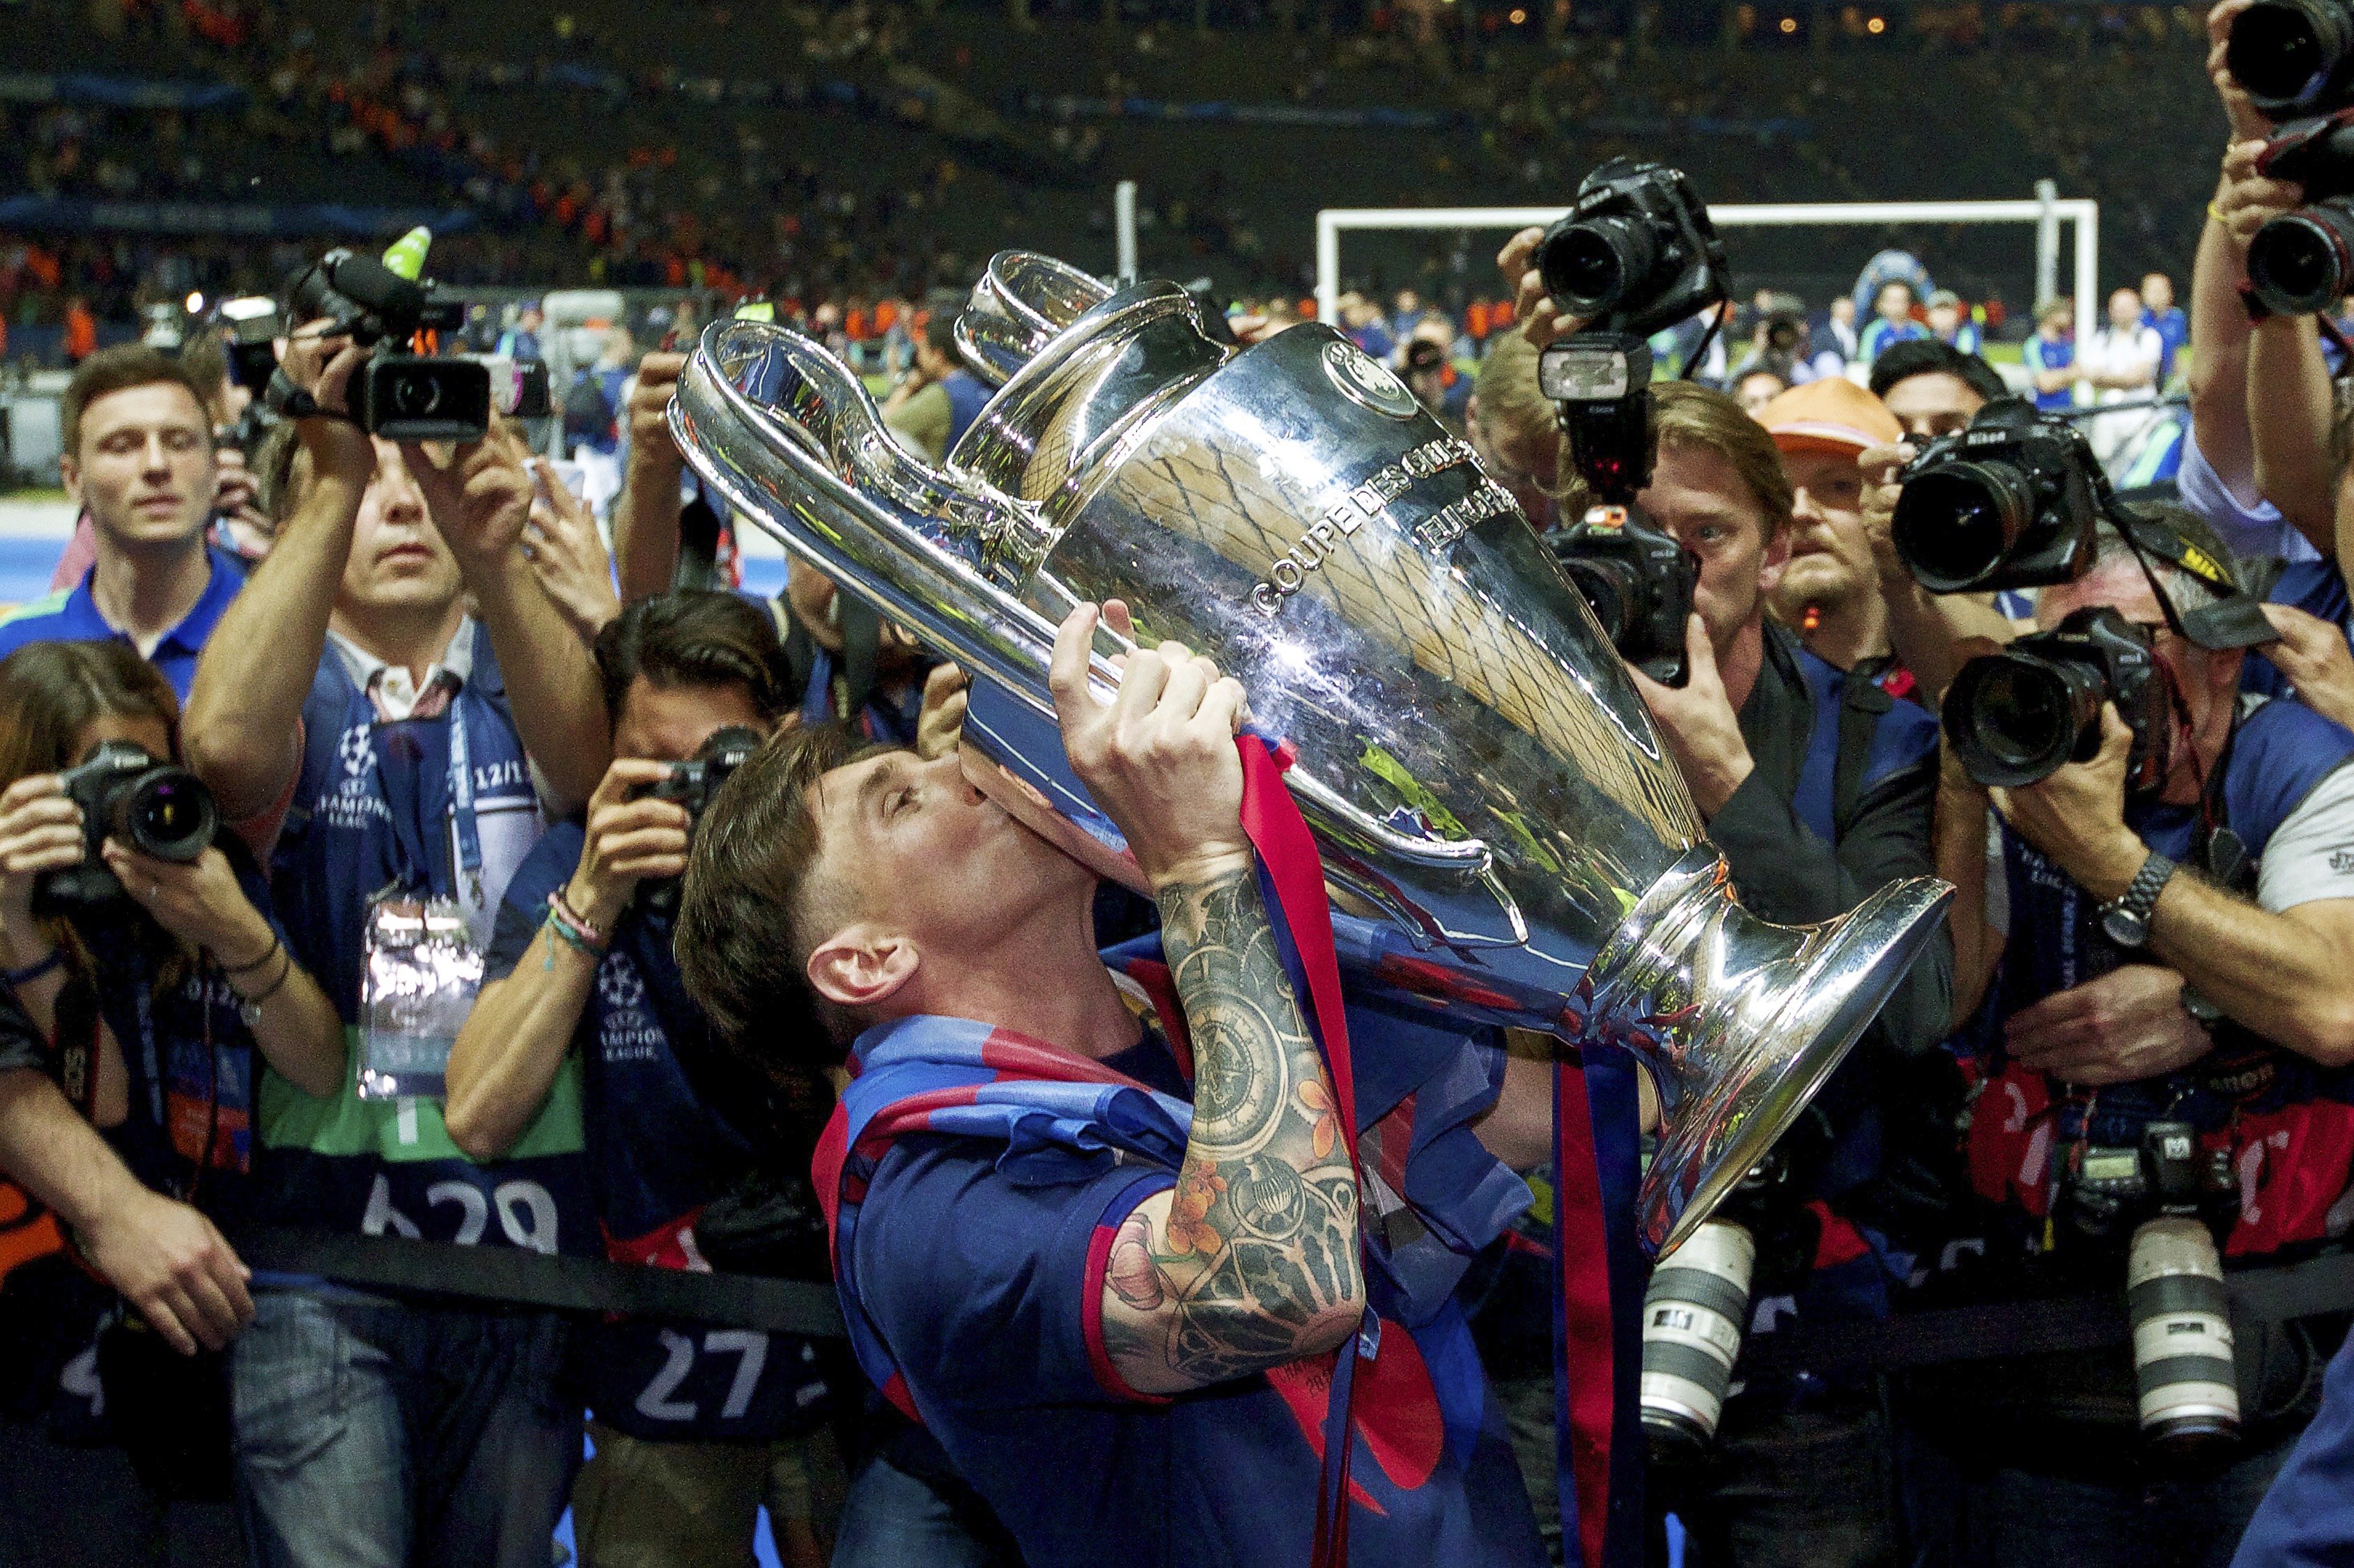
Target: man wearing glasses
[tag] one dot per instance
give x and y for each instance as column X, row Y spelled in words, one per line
column 2168, row 943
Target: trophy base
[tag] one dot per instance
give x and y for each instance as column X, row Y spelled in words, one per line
column 1738, row 1021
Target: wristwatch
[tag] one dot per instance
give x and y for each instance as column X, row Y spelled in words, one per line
column 2125, row 919
column 2202, row 1012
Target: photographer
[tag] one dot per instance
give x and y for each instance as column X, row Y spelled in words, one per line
column 1818, row 787
column 935, row 403
column 693, row 1430
column 138, row 459
column 359, row 722
column 2123, row 991
column 144, row 984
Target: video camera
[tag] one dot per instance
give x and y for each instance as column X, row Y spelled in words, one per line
column 156, row 808
column 410, row 396
column 691, row 784
column 2018, row 716
column 2010, row 502
column 1635, row 252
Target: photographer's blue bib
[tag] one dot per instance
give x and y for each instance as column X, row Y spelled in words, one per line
column 657, row 1154
column 438, row 807
column 2286, row 1122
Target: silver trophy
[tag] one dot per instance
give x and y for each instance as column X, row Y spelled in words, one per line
column 1500, row 825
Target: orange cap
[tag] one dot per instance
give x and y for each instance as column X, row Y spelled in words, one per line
column 1833, row 415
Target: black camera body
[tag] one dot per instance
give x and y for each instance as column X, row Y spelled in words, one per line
column 1638, row 579
column 156, row 808
column 691, row 785
column 2292, row 57
column 2113, row 1189
column 2010, row 502
column 400, row 397
column 1635, row 252
column 2017, row 716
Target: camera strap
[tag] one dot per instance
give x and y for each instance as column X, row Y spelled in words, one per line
column 2237, row 621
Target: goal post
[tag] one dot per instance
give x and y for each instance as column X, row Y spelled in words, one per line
column 2084, row 212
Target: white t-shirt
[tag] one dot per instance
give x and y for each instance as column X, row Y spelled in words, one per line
column 2133, row 351
column 2250, row 528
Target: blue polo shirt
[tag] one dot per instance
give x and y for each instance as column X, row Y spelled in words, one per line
column 72, row 616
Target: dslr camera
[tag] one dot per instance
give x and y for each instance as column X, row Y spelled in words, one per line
column 156, row 808
column 2303, row 261
column 2176, row 1198
column 410, row 397
column 2010, row 502
column 2018, row 716
column 1635, row 252
column 691, row 784
column 2294, row 57
column 1638, row 580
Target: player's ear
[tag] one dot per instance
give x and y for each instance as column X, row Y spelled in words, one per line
column 861, row 967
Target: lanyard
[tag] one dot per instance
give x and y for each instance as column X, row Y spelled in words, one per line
column 462, row 802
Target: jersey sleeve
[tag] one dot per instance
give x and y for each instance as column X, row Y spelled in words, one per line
column 2310, row 855
column 988, row 1295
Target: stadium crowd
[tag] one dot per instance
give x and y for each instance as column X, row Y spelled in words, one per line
column 394, row 843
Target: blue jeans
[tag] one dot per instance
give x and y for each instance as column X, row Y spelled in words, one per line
column 374, row 1435
column 894, row 1520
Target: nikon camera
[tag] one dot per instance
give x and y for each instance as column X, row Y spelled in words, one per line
column 691, row 784
column 156, row 808
column 1637, row 252
column 2294, row 57
column 2010, row 502
column 2303, row 261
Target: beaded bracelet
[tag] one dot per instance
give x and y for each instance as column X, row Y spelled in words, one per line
column 571, row 929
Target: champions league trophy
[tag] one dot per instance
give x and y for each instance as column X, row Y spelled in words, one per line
column 1503, row 829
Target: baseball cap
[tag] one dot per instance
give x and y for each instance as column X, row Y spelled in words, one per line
column 1831, row 415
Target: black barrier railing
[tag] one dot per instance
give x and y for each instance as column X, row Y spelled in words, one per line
column 513, row 1276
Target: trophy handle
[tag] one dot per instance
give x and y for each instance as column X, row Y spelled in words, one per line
column 1018, row 306
column 773, row 423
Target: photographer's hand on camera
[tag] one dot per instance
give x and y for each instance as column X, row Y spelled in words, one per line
column 2076, row 815
column 1698, row 721
column 2314, row 655
column 1540, row 319
column 629, row 841
column 2129, row 1024
column 338, row 450
column 40, row 831
column 2246, row 120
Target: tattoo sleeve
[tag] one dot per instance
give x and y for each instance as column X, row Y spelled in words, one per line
column 1251, row 1261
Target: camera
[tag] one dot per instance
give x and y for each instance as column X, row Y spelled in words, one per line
column 400, row 397
column 1635, row 252
column 691, row 784
column 254, row 327
column 2009, row 502
column 2303, row 261
column 2017, row 716
column 2175, row 1196
column 2292, row 56
column 156, row 808
column 1638, row 581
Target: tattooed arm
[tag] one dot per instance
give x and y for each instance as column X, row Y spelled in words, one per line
column 1252, row 1260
